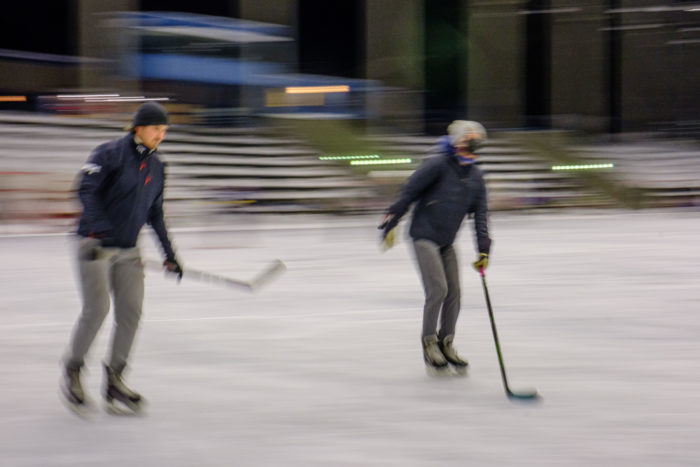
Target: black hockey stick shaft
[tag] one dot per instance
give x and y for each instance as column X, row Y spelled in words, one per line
column 520, row 395
column 493, row 329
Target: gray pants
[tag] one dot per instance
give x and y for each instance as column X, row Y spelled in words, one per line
column 118, row 271
column 440, row 273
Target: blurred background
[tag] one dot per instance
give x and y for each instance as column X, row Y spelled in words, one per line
column 310, row 106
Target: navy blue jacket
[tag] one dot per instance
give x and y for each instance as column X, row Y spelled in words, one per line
column 121, row 189
column 444, row 192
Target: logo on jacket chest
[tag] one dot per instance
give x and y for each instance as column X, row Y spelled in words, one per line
column 143, row 166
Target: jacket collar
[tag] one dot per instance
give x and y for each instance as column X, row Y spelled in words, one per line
column 139, row 147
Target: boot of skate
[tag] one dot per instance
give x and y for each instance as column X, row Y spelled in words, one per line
column 431, row 353
column 450, row 354
column 115, row 389
column 72, row 388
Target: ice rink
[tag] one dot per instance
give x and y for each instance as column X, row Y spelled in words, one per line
column 600, row 311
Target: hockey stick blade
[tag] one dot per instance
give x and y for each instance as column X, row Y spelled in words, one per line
column 263, row 277
column 528, row 394
column 267, row 274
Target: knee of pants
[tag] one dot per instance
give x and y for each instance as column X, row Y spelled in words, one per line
column 453, row 294
column 436, row 293
column 94, row 313
column 128, row 317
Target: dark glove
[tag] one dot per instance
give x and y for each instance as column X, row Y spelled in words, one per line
column 482, row 262
column 388, row 227
column 173, row 267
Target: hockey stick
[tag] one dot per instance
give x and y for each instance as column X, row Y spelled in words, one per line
column 263, row 277
column 530, row 394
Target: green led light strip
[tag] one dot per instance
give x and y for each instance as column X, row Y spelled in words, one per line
column 346, row 158
column 381, row 162
column 583, row 167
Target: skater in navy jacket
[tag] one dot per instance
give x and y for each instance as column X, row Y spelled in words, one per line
column 445, row 188
column 121, row 189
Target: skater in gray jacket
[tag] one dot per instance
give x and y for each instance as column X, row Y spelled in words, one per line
column 445, row 188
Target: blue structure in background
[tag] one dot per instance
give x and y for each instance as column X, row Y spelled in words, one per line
column 249, row 63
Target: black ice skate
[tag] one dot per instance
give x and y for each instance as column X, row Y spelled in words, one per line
column 117, row 391
column 435, row 362
column 460, row 365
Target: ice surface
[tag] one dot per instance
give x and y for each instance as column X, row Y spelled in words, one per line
column 599, row 311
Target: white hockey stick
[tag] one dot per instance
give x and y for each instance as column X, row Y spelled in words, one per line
column 263, row 277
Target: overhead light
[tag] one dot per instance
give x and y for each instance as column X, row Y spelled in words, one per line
column 582, row 167
column 345, row 158
column 315, row 89
column 381, row 162
column 126, row 99
column 633, row 27
column 84, row 96
column 13, row 98
column 653, row 9
column 549, row 11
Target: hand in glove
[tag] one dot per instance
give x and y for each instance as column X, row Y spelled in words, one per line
column 173, row 267
column 389, row 239
column 482, row 262
column 388, row 228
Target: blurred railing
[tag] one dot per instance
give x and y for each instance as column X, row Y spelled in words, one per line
column 257, row 169
column 544, row 170
column 210, row 170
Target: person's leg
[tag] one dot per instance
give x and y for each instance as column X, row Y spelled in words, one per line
column 451, row 304
column 127, row 281
column 435, row 288
column 432, row 274
column 93, row 275
column 128, row 285
column 450, row 309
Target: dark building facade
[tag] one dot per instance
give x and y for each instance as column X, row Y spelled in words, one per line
column 598, row 65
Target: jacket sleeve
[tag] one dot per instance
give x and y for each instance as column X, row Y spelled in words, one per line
column 96, row 174
column 422, row 178
column 481, row 228
column 156, row 219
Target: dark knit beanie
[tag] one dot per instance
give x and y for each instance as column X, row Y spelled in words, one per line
column 150, row 113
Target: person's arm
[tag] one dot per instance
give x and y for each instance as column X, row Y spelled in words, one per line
column 410, row 191
column 481, row 229
column 96, row 175
column 156, row 219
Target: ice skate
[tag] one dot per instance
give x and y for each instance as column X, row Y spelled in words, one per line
column 435, row 362
column 72, row 391
column 119, row 399
column 455, row 361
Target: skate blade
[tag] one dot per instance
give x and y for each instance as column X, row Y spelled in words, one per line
column 81, row 409
column 437, row 372
column 460, row 370
column 122, row 408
